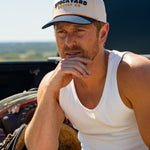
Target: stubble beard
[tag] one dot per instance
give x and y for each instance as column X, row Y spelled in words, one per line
column 89, row 54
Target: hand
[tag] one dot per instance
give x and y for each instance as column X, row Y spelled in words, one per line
column 66, row 70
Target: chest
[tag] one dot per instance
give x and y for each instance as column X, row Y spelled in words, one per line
column 89, row 97
column 108, row 114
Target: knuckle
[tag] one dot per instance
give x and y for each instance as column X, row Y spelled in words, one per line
column 62, row 61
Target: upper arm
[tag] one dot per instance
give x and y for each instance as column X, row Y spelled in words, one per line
column 43, row 84
column 137, row 90
column 42, row 87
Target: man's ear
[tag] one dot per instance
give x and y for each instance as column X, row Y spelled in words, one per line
column 103, row 33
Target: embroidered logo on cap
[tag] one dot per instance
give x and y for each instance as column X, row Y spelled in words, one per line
column 88, row 11
column 76, row 3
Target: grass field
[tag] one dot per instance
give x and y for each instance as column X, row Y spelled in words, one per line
column 27, row 51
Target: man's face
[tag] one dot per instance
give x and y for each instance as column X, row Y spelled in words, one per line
column 75, row 40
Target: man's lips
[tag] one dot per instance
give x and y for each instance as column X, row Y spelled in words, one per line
column 72, row 54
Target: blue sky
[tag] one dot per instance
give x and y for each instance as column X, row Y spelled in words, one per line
column 21, row 20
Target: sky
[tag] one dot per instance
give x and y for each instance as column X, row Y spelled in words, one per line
column 21, row 20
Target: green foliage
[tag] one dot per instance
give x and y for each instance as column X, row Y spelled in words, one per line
column 30, row 51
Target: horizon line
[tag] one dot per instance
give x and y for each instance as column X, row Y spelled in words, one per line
column 28, row 41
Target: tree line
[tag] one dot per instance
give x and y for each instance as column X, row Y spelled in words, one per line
column 27, row 51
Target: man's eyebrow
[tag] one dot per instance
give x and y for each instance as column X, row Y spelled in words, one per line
column 58, row 27
column 81, row 26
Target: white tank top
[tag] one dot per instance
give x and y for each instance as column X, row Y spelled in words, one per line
column 111, row 125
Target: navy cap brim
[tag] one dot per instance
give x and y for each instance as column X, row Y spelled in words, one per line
column 70, row 19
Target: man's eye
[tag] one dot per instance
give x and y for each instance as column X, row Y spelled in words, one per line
column 61, row 31
column 79, row 30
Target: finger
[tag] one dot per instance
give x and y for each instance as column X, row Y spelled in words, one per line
column 82, row 62
column 80, row 59
column 77, row 63
column 82, row 68
column 73, row 72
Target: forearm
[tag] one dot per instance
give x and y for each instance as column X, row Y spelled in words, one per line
column 43, row 130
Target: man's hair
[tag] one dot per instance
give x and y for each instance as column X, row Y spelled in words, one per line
column 98, row 25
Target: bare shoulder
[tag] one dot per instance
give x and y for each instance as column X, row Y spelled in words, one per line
column 134, row 76
column 134, row 64
column 43, row 83
column 45, row 79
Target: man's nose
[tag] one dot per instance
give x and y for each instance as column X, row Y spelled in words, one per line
column 70, row 39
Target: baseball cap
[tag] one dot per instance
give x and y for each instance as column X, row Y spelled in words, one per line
column 78, row 12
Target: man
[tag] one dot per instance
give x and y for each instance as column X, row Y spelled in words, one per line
column 105, row 94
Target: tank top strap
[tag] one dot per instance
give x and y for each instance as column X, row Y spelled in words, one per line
column 115, row 58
